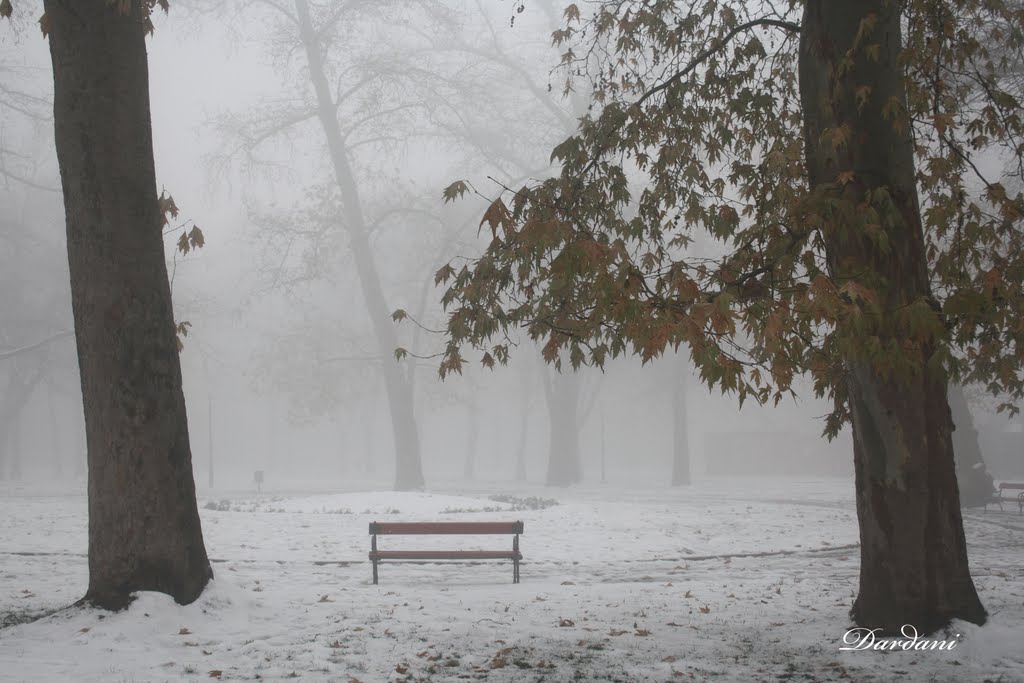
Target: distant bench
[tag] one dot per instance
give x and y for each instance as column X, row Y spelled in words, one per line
column 998, row 498
column 449, row 528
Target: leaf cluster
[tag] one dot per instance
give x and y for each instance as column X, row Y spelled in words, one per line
column 681, row 215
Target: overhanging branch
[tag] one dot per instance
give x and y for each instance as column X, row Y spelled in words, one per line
column 4, row 355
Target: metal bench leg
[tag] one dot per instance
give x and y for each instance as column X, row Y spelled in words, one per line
column 515, row 559
column 373, row 547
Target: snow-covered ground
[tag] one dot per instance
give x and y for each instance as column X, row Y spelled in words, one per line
column 734, row 580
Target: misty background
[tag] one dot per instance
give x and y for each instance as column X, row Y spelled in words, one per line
column 284, row 363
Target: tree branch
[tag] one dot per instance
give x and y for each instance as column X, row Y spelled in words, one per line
column 4, row 355
column 704, row 54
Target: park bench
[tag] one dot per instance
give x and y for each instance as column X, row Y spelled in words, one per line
column 998, row 497
column 448, row 528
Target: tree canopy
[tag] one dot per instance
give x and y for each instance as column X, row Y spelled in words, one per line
column 682, row 214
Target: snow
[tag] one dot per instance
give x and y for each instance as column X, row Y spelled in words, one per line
column 731, row 580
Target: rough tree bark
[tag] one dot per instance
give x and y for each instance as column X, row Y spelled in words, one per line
column 914, row 567
column 144, row 530
column 408, row 468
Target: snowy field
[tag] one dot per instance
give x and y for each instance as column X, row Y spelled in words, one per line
column 740, row 580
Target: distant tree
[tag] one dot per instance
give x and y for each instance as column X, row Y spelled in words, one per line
column 975, row 482
column 144, row 529
column 681, row 469
column 830, row 263
column 362, row 100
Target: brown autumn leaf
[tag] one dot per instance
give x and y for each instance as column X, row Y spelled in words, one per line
column 184, row 631
column 183, row 243
column 643, row 632
column 402, row 668
column 454, row 191
column 195, row 237
column 617, row 632
column 496, row 216
column 324, row 598
column 705, row 609
column 215, row 673
column 165, row 203
column 566, row 623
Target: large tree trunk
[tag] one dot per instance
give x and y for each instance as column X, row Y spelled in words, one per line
column 408, row 468
column 914, row 566
column 144, row 530
column 976, row 485
column 680, row 426
column 564, row 466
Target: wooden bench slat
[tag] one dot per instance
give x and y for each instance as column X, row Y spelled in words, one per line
column 445, row 555
column 432, row 528
column 1006, row 485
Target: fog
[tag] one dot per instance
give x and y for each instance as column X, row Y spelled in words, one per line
column 284, row 370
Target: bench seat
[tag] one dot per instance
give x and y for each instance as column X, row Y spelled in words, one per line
column 446, row 528
column 445, row 555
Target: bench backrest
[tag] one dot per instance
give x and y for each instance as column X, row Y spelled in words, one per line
column 427, row 528
column 1007, row 485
